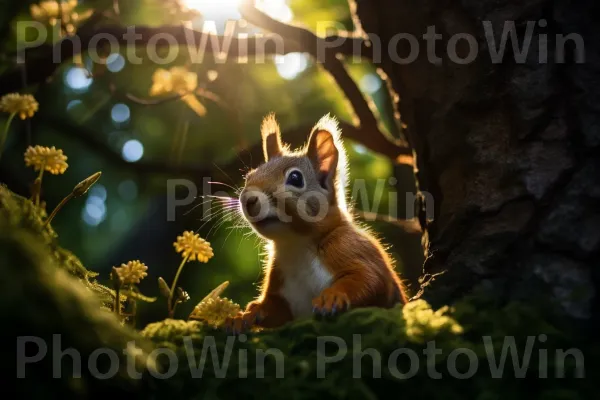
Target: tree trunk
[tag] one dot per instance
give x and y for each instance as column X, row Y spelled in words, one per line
column 508, row 151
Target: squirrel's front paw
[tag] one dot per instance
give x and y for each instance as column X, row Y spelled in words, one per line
column 244, row 320
column 330, row 302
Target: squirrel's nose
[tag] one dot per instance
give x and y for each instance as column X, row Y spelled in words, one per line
column 251, row 201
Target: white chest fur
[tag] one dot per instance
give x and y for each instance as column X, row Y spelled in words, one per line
column 304, row 278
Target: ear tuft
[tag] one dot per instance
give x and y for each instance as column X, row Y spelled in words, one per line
column 326, row 151
column 329, row 124
column 271, row 137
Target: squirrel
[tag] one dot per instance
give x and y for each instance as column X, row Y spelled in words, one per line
column 319, row 260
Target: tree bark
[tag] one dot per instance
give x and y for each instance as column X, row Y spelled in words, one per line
column 508, row 151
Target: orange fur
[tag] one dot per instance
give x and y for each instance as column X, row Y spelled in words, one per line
column 329, row 264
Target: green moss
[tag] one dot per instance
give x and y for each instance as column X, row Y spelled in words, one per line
column 302, row 344
column 45, row 309
column 423, row 323
column 172, row 330
column 45, row 291
column 17, row 212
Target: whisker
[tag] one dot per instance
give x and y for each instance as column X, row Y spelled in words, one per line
column 221, row 201
column 224, row 173
column 224, row 210
column 240, row 227
column 251, row 160
column 212, row 216
column 224, row 216
column 198, row 205
column 220, row 213
column 242, row 160
column 227, row 237
column 225, row 198
column 224, row 184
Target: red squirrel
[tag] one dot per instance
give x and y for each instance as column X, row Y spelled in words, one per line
column 319, row 260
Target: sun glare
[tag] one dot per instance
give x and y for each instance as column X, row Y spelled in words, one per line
column 213, row 7
column 217, row 12
column 221, row 10
column 277, row 9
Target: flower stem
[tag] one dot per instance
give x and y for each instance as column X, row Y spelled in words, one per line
column 173, row 310
column 117, row 284
column 174, row 285
column 58, row 208
column 38, row 183
column 5, row 132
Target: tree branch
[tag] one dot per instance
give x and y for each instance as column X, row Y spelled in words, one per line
column 364, row 108
column 410, row 226
column 201, row 92
column 88, row 138
column 374, row 142
column 45, row 59
column 42, row 62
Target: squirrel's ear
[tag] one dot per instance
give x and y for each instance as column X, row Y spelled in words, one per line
column 323, row 153
column 271, row 137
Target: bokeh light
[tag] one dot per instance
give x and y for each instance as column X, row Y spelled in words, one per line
column 291, row 65
column 99, row 191
column 94, row 211
column 370, row 83
column 120, row 113
column 133, row 150
column 360, row 149
column 77, row 78
column 115, row 62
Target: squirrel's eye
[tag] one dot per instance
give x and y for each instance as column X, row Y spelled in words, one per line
column 295, row 179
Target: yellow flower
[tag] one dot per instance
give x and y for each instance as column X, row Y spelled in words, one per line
column 132, row 272
column 50, row 11
column 23, row 104
column 51, row 159
column 215, row 311
column 175, row 80
column 192, row 245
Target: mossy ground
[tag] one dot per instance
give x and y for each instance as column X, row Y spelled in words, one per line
column 386, row 333
column 46, row 291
